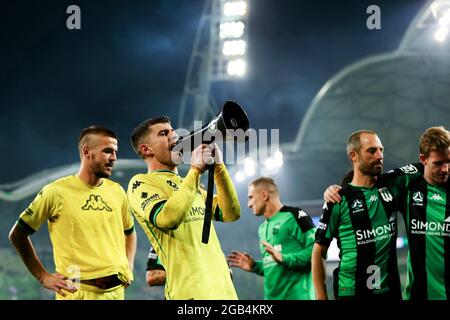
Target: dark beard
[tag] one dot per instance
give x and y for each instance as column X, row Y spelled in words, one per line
column 101, row 174
column 370, row 170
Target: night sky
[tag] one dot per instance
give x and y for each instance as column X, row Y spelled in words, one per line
column 129, row 63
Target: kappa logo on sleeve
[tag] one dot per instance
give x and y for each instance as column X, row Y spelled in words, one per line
column 301, row 214
column 136, row 185
column 95, row 202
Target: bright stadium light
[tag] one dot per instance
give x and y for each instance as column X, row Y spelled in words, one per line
column 444, row 21
column 234, row 48
column 270, row 164
column 441, row 34
column 234, row 8
column 249, row 167
column 237, row 67
column 278, row 158
column 239, row 176
column 234, row 29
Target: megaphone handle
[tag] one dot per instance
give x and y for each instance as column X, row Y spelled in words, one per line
column 208, row 205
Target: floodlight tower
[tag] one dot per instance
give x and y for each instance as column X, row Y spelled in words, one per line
column 219, row 54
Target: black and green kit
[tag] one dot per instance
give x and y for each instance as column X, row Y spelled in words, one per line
column 426, row 210
column 365, row 226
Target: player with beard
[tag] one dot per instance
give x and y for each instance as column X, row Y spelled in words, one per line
column 365, row 226
column 90, row 226
column 424, row 192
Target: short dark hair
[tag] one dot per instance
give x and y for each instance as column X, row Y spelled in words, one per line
column 142, row 130
column 434, row 139
column 94, row 129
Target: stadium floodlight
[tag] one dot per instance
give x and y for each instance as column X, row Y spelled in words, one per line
column 234, row 8
column 278, row 159
column 249, row 167
column 239, row 176
column 441, row 34
column 269, row 164
column 234, row 47
column 237, row 67
column 444, row 21
column 232, row 29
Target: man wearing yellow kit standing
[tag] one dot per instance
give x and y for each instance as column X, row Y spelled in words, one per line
column 90, row 226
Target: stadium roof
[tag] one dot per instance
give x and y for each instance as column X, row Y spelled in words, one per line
column 398, row 94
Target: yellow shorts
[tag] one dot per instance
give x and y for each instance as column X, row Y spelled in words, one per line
column 86, row 292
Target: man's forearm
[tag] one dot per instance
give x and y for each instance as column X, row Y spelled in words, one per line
column 130, row 245
column 319, row 273
column 25, row 249
column 227, row 198
column 178, row 205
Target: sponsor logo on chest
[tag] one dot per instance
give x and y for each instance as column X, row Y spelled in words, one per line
column 95, row 202
column 431, row 228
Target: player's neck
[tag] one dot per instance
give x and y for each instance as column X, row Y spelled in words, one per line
column 88, row 177
column 156, row 166
column 272, row 208
column 363, row 180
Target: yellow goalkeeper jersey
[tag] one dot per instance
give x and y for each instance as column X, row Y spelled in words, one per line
column 86, row 226
column 194, row 270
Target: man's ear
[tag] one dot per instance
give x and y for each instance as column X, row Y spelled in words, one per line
column 85, row 151
column 265, row 195
column 423, row 159
column 146, row 150
column 353, row 155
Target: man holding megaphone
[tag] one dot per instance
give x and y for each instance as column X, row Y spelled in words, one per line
column 171, row 211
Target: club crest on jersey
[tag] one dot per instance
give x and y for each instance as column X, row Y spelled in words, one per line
column 357, row 206
column 409, row 169
column 95, row 202
column 385, row 194
column 276, row 229
column 418, row 198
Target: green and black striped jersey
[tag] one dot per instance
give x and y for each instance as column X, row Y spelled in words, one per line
column 365, row 226
column 426, row 210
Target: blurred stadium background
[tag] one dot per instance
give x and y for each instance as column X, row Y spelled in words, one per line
column 399, row 94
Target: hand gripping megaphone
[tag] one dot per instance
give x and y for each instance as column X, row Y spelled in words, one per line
column 231, row 123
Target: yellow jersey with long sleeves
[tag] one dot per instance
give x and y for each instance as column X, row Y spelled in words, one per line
column 171, row 211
